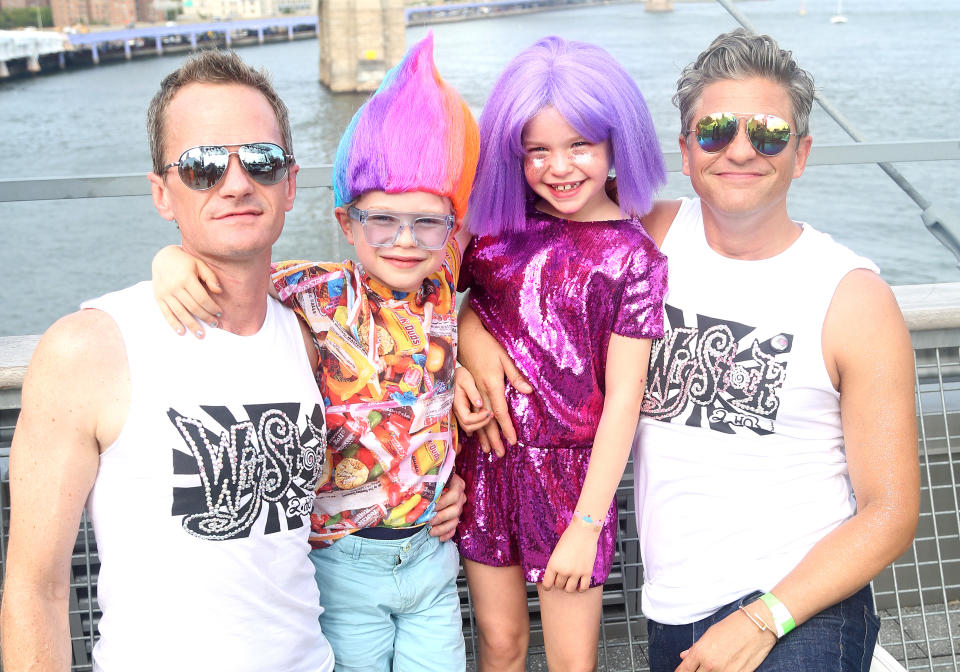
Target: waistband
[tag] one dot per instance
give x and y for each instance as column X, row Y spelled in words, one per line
column 387, row 532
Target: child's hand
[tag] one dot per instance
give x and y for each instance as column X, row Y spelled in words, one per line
column 468, row 405
column 177, row 287
column 571, row 564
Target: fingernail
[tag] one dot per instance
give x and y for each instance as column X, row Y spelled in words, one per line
column 478, row 402
column 199, row 333
column 213, row 323
column 179, row 332
column 219, row 314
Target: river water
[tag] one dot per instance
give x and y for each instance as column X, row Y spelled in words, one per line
column 893, row 70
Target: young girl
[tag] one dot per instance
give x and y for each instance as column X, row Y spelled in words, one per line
column 572, row 287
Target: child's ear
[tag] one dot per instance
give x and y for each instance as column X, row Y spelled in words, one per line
column 343, row 219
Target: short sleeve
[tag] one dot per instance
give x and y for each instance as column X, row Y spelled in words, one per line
column 311, row 289
column 640, row 310
column 454, row 259
column 470, row 260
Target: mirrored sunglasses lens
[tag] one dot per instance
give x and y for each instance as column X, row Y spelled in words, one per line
column 714, row 132
column 768, row 134
column 264, row 162
column 430, row 233
column 202, row 167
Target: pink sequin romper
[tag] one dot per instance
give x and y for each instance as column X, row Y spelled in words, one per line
column 552, row 295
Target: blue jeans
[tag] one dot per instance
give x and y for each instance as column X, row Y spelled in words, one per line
column 838, row 639
column 391, row 604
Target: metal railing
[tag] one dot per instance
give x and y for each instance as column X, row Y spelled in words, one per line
column 309, row 177
column 918, row 596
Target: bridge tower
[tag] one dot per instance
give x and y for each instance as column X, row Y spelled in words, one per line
column 359, row 41
column 658, row 5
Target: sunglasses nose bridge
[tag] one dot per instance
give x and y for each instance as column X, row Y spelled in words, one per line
column 235, row 176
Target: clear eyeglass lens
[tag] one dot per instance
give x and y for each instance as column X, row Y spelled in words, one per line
column 430, row 232
column 383, row 230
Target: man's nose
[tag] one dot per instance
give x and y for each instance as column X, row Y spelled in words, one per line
column 236, row 180
column 740, row 148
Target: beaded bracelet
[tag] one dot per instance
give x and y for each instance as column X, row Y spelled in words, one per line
column 587, row 519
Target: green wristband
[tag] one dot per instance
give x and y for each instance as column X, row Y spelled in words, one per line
column 782, row 620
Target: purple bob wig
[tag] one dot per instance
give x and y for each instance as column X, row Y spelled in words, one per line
column 415, row 133
column 595, row 95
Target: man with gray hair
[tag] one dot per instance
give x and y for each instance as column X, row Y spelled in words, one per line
column 775, row 464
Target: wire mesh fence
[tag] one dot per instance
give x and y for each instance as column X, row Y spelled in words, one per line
column 917, row 597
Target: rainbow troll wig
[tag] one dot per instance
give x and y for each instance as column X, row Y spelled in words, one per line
column 595, row 95
column 415, row 133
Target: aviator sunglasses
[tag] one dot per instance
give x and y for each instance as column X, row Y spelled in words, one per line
column 201, row 168
column 768, row 134
column 383, row 228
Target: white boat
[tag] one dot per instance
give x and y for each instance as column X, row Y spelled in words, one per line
column 838, row 17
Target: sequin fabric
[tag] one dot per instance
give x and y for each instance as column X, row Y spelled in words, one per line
column 499, row 529
column 552, row 295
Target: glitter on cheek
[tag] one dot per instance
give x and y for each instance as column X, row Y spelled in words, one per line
column 583, row 159
column 537, row 164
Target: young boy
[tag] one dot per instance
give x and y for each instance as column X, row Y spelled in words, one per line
column 386, row 332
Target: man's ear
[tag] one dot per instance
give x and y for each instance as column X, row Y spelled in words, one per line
column 291, row 186
column 343, row 219
column 803, row 153
column 161, row 200
column 684, row 155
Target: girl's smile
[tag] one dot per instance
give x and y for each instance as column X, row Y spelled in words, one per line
column 567, row 171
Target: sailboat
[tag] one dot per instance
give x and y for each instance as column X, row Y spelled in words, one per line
column 838, row 17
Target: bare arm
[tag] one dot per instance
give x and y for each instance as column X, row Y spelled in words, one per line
column 74, row 400
column 868, row 353
column 657, row 222
column 182, row 285
column 571, row 564
column 490, row 366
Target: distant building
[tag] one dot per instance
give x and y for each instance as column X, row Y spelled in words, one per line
column 108, row 12
column 242, row 9
column 21, row 4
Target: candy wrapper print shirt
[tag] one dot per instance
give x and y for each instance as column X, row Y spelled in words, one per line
column 386, row 373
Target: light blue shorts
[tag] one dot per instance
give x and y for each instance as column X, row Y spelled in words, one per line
column 391, row 605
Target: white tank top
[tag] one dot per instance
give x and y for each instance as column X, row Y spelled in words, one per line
column 200, row 507
column 739, row 465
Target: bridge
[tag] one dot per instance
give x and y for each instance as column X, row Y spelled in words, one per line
column 30, row 46
column 32, row 51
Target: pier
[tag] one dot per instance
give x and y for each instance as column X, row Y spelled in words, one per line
column 364, row 38
column 27, row 48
